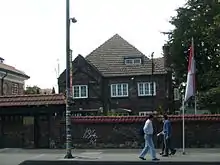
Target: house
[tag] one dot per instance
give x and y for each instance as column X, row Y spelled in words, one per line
column 12, row 80
column 116, row 75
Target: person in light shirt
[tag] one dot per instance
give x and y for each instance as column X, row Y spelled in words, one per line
column 148, row 135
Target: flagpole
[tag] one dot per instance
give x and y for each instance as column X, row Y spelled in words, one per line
column 195, row 104
column 183, row 118
column 194, row 83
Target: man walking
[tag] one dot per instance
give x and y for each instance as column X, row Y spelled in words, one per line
column 167, row 130
column 148, row 135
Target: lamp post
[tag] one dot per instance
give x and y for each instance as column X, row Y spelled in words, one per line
column 68, row 83
column 152, row 83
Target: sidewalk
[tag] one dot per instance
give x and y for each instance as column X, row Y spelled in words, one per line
column 112, row 156
column 193, row 155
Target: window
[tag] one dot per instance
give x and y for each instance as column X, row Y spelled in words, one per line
column 133, row 61
column 146, row 89
column 119, row 90
column 137, row 61
column 14, row 89
column 128, row 61
column 80, row 91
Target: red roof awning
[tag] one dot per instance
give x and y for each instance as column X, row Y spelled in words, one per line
column 27, row 100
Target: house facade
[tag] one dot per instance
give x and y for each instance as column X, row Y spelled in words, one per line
column 116, row 76
column 12, row 80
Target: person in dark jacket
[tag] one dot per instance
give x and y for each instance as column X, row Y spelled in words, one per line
column 167, row 132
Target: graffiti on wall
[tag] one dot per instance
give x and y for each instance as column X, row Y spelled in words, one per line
column 91, row 136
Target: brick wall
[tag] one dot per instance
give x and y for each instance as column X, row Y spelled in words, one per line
column 122, row 133
column 111, row 132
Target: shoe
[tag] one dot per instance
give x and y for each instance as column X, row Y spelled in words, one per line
column 155, row 159
column 142, row 158
column 173, row 152
column 165, row 155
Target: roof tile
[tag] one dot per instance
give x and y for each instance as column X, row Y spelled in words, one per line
column 109, row 59
column 138, row 119
column 23, row 100
column 12, row 69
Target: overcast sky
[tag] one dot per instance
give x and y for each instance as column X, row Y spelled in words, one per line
column 32, row 32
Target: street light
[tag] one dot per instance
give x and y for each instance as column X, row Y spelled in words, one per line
column 73, row 20
column 68, row 83
column 152, row 83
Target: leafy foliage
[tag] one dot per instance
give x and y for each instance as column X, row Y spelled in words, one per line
column 53, row 90
column 210, row 100
column 199, row 19
column 32, row 90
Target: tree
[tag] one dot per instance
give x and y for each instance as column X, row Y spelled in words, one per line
column 53, row 90
column 32, row 90
column 210, row 100
column 199, row 19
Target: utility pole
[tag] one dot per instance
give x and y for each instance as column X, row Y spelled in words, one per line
column 68, row 83
column 152, row 83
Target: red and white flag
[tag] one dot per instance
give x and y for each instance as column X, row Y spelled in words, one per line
column 190, row 85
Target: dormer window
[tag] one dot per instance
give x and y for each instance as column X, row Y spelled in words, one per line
column 132, row 61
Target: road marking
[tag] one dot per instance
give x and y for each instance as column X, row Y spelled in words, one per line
column 38, row 156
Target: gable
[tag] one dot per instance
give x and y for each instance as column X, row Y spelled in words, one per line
column 79, row 65
column 109, row 59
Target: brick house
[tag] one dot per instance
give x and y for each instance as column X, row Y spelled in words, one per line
column 117, row 76
column 12, row 80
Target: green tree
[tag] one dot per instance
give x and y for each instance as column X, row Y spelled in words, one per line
column 199, row 19
column 210, row 100
column 32, row 90
column 53, row 90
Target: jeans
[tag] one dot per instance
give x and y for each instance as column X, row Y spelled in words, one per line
column 167, row 144
column 149, row 146
column 163, row 145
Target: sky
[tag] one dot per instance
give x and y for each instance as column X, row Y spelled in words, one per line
column 32, row 32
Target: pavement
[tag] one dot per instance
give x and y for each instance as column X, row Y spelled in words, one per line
column 28, row 156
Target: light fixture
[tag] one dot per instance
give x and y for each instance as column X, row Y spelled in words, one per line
column 73, row 20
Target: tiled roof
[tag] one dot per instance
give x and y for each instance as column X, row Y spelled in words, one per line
column 12, row 70
column 139, row 119
column 109, row 59
column 23, row 100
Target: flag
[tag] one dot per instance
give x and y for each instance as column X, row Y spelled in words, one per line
column 190, row 85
